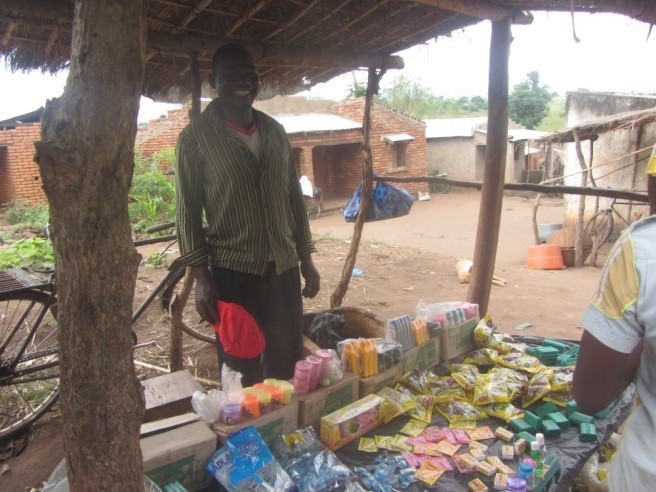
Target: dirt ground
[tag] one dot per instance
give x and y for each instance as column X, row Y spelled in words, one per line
column 403, row 261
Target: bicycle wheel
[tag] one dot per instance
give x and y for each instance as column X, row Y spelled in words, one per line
column 600, row 226
column 192, row 323
column 314, row 210
column 440, row 188
column 29, row 363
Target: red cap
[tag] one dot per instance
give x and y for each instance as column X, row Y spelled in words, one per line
column 238, row 331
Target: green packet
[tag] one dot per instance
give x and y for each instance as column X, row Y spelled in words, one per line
column 368, row 445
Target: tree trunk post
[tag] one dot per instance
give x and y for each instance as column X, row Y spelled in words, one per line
column 367, row 179
column 487, row 235
column 86, row 159
column 578, row 237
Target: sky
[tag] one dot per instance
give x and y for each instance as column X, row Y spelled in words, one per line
column 614, row 54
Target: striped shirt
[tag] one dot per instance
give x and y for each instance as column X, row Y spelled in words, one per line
column 254, row 207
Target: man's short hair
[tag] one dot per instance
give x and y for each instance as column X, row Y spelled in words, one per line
column 225, row 52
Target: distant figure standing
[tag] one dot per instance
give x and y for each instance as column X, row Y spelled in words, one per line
column 235, row 167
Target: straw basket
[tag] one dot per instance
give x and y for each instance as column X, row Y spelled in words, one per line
column 565, row 238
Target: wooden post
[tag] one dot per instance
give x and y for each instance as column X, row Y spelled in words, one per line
column 367, row 179
column 578, row 238
column 182, row 296
column 489, row 217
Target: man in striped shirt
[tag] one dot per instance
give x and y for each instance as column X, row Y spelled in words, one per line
column 235, row 168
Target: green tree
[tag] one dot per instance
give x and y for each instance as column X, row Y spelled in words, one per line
column 410, row 97
column 528, row 103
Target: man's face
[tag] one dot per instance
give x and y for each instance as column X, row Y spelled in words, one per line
column 237, row 83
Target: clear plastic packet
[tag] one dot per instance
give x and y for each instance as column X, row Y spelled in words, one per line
column 311, row 466
column 464, row 374
column 491, row 388
column 483, row 357
column 456, row 411
column 503, row 411
column 208, row 405
column 400, row 330
column 245, row 463
column 399, row 403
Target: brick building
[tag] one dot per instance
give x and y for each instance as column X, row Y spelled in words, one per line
column 327, row 147
column 20, row 178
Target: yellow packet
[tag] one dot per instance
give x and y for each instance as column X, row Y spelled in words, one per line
column 480, row 433
column 521, row 362
column 429, row 449
column 428, row 473
column 537, row 388
column 398, row 443
column 560, row 399
column 445, row 447
column 368, row 445
column 503, row 411
column 561, row 379
column 455, row 411
column 383, row 442
column 463, row 424
column 413, row 428
column 421, row 414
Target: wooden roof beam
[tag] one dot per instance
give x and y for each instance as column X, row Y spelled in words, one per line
column 481, row 9
column 310, row 56
column 7, row 35
column 293, row 21
column 357, row 19
column 320, row 21
column 251, row 12
column 51, row 41
column 198, row 9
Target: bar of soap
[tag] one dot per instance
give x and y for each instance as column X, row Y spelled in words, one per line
column 477, row 485
column 559, row 419
column 520, row 425
column 546, row 408
column 578, row 418
column 505, row 434
column 529, row 438
column 570, row 407
column 551, row 428
column 587, row 432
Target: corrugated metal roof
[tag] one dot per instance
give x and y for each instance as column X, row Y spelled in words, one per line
column 398, row 137
column 523, row 134
column 315, row 122
column 453, row 127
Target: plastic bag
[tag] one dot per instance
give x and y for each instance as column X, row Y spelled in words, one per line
column 325, row 330
column 386, row 202
column 208, row 405
column 245, row 463
column 312, row 467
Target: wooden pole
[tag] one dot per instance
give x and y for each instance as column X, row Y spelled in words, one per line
column 489, row 217
column 182, row 296
column 578, row 238
column 367, row 179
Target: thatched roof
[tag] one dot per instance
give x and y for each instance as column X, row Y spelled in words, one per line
column 297, row 43
column 592, row 129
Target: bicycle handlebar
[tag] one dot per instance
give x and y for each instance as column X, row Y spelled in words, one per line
column 160, row 227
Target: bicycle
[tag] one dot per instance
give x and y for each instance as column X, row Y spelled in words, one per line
column 313, row 204
column 601, row 224
column 436, row 186
column 29, row 375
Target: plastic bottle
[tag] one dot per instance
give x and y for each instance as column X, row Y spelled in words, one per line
column 285, row 386
column 527, row 472
column 302, row 373
column 274, row 391
column 516, row 483
column 539, row 438
column 536, row 455
column 251, row 404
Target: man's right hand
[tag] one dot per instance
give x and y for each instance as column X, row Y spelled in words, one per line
column 207, row 294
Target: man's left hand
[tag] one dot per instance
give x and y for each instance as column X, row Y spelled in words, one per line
column 311, row 276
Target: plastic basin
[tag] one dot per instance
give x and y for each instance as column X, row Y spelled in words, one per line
column 545, row 257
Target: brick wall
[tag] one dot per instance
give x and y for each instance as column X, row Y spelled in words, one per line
column 19, row 174
column 162, row 133
column 385, row 121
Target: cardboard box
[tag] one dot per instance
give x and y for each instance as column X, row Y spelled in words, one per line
column 169, row 395
column 458, row 339
column 352, row 421
column 270, row 425
column 180, row 455
column 425, row 356
column 386, row 378
column 326, row 400
column 163, row 425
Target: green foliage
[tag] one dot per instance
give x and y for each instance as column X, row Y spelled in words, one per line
column 412, row 98
column 157, row 259
column 555, row 119
column 528, row 103
column 20, row 212
column 152, row 195
column 33, row 252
